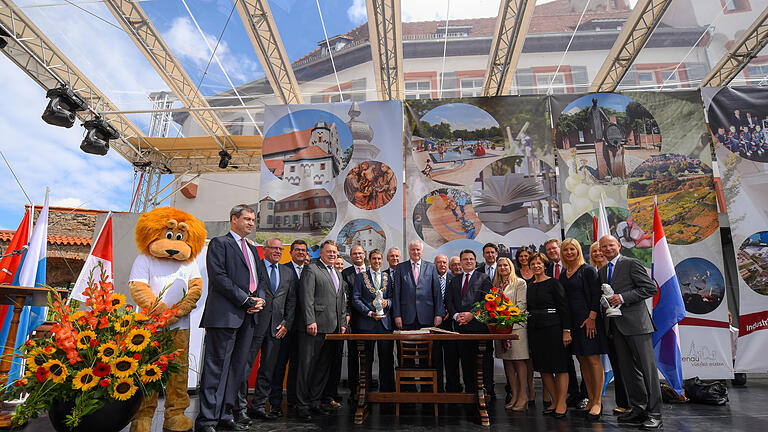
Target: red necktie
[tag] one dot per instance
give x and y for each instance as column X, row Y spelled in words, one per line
column 557, row 271
column 466, row 282
column 252, row 285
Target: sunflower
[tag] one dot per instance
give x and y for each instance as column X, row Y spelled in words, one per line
column 35, row 359
column 84, row 339
column 108, row 351
column 490, row 297
column 85, row 380
column 124, row 388
column 123, row 323
column 77, row 315
column 137, row 339
column 124, row 366
column 58, row 372
column 118, row 301
column 49, row 350
column 140, row 317
column 150, row 373
column 514, row 310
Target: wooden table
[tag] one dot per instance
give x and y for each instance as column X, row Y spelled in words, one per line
column 17, row 296
column 365, row 397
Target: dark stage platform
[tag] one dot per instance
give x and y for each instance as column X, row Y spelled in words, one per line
column 745, row 412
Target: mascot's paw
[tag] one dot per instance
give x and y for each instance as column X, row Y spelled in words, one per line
column 141, row 424
column 178, row 423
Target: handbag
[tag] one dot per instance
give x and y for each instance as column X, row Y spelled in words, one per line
column 713, row 393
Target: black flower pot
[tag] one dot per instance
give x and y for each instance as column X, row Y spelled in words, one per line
column 112, row 417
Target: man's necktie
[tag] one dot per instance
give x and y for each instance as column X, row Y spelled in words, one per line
column 557, row 270
column 377, row 280
column 252, row 284
column 333, row 276
column 359, row 269
column 416, row 273
column 466, row 283
column 442, row 286
column 298, row 270
column 273, row 278
column 610, row 271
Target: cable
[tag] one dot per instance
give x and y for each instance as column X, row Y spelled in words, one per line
column 554, row 76
column 445, row 48
column 330, row 52
column 17, row 179
column 226, row 75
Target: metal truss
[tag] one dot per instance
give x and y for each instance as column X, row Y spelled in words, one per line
column 386, row 36
column 148, row 188
column 31, row 50
column 138, row 26
column 507, row 45
column 260, row 26
column 635, row 32
column 742, row 52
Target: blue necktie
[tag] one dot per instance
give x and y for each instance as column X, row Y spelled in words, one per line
column 273, row 279
column 610, row 271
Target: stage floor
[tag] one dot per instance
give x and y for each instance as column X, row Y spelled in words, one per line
column 744, row 412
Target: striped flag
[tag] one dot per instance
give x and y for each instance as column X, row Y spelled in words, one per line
column 8, row 267
column 601, row 228
column 31, row 274
column 668, row 309
column 100, row 256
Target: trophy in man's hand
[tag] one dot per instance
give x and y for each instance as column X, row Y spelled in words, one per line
column 378, row 304
column 610, row 311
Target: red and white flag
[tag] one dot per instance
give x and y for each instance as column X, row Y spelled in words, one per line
column 101, row 254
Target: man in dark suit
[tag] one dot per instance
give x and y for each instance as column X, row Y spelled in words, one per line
column 322, row 310
column 330, row 394
column 462, row 293
column 289, row 347
column 631, row 334
column 366, row 321
column 275, row 320
column 490, row 255
column 393, row 259
column 417, row 301
column 439, row 347
column 235, row 295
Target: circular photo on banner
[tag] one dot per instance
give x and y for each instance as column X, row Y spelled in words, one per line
column 738, row 119
column 308, row 215
column 701, row 284
column 444, row 215
column 361, row 232
column 604, row 136
column 370, row 185
column 752, row 261
column 635, row 241
column 516, row 192
column 307, row 148
column 684, row 189
column 459, row 140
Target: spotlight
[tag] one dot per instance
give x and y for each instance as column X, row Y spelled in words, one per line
column 3, row 34
column 97, row 138
column 62, row 107
column 225, row 157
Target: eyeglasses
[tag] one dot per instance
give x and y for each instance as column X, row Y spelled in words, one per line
column 273, row 247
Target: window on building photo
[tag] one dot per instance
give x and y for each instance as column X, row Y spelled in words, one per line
column 328, row 217
column 322, row 165
column 286, row 220
column 418, row 89
column 471, row 87
column 543, row 81
column 293, row 169
column 757, row 73
column 269, row 220
column 338, row 98
column 295, row 219
column 270, row 206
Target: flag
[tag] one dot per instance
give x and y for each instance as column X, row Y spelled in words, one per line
column 607, row 370
column 31, row 273
column 101, row 255
column 601, row 228
column 8, row 266
column 668, row 309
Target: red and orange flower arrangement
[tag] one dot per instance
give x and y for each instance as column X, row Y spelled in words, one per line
column 106, row 353
column 497, row 312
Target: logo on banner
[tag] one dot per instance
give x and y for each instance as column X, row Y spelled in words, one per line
column 702, row 356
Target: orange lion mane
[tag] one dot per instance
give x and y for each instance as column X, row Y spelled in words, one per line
column 167, row 228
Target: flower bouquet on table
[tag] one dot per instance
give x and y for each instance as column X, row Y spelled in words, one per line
column 498, row 313
column 100, row 356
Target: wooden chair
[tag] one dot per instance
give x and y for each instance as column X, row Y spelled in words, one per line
column 419, row 371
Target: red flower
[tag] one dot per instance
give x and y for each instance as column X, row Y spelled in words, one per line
column 95, row 342
column 490, row 306
column 105, row 382
column 494, row 290
column 102, row 369
column 41, row 374
column 137, row 356
column 493, row 315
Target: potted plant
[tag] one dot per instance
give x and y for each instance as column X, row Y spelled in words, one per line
column 498, row 313
column 94, row 372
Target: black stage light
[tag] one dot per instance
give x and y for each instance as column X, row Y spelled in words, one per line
column 3, row 34
column 97, row 138
column 63, row 106
column 225, row 157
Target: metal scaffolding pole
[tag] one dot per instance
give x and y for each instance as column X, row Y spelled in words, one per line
column 511, row 28
column 386, row 36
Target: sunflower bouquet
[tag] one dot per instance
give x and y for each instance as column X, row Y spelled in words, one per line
column 108, row 352
column 497, row 311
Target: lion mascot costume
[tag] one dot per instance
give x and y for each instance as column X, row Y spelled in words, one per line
column 168, row 241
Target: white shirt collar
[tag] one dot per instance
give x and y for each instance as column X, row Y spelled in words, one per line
column 465, row 273
column 615, row 260
column 415, row 263
column 236, row 236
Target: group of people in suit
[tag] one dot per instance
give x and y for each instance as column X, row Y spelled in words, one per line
column 285, row 311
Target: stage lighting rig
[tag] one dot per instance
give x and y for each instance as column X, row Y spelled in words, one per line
column 63, row 105
column 225, row 158
column 97, row 138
